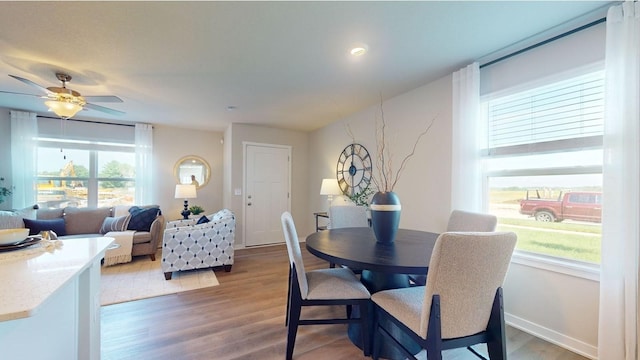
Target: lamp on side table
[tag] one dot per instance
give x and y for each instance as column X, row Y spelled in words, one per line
column 184, row 191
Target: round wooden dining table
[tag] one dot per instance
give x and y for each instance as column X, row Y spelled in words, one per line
column 384, row 266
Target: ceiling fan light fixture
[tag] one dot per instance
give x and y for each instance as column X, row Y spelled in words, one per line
column 64, row 108
column 359, row 50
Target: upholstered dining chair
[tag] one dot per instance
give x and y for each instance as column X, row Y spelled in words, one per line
column 461, row 304
column 347, row 216
column 460, row 220
column 322, row 287
column 471, row 221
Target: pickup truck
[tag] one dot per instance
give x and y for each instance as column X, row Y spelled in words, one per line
column 581, row 206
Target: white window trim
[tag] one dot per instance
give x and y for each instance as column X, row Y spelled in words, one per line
column 579, row 269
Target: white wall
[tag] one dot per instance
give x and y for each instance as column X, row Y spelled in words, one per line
column 172, row 143
column 424, row 187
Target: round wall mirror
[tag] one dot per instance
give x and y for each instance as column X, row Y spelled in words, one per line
column 192, row 170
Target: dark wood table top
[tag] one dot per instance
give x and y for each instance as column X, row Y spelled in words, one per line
column 357, row 248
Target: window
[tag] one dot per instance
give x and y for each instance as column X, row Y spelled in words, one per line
column 542, row 160
column 84, row 173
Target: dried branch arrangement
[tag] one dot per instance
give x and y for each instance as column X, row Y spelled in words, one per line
column 386, row 179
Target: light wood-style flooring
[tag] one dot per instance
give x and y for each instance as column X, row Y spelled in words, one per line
column 243, row 318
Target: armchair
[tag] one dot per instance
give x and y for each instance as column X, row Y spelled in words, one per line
column 188, row 245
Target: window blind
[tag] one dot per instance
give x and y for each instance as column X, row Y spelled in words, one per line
column 565, row 115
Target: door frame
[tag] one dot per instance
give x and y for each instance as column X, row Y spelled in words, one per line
column 245, row 145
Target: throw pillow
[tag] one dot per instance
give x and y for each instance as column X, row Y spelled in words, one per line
column 119, row 223
column 203, row 220
column 36, row 226
column 142, row 218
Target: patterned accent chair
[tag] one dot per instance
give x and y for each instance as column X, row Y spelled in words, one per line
column 188, row 245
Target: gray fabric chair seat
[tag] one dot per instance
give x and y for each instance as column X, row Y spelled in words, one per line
column 404, row 304
column 340, row 283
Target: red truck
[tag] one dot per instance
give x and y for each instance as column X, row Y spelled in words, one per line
column 582, row 206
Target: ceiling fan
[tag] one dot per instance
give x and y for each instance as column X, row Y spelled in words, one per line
column 66, row 102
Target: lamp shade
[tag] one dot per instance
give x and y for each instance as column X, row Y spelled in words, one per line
column 330, row 187
column 185, row 191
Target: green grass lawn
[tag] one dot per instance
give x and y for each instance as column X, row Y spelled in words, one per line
column 567, row 240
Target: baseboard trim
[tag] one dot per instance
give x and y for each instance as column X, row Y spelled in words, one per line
column 554, row 337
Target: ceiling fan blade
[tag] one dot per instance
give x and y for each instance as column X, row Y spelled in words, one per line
column 103, row 109
column 103, row 98
column 17, row 93
column 31, row 83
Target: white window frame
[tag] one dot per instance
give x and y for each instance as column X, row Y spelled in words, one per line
column 93, row 148
column 577, row 268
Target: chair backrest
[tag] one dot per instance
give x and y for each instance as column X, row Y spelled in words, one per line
column 466, row 269
column 295, row 255
column 347, row 216
column 470, row 221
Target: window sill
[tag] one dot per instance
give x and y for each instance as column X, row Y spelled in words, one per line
column 574, row 268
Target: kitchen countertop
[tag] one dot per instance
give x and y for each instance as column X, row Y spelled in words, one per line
column 29, row 278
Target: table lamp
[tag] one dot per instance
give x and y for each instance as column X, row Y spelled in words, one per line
column 184, row 191
column 330, row 187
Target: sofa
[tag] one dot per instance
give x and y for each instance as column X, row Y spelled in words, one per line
column 204, row 242
column 73, row 222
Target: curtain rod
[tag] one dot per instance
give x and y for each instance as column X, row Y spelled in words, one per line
column 86, row 121
column 544, row 42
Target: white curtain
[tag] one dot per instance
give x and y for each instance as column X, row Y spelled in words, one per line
column 466, row 176
column 24, row 134
column 618, row 324
column 144, row 165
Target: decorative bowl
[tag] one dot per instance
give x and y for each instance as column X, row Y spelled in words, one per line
column 12, row 236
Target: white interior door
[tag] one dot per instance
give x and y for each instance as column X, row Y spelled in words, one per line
column 266, row 193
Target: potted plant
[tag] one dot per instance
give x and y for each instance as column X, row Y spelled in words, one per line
column 5, row 192
column 195, row 209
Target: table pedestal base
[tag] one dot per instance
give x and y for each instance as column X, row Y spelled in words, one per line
column 376, row 281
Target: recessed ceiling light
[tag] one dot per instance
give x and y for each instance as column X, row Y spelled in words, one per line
column 359, row 50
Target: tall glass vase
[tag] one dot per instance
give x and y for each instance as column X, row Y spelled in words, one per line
column 385, row 216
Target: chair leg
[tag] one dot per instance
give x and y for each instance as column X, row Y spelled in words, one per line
column 292, row 328
column 364, row 325
column 434, row 334
column 497, row 345
column 153, row 257
column 377, row 336
column 286, row 320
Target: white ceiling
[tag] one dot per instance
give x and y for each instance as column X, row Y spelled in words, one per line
column 282, row 64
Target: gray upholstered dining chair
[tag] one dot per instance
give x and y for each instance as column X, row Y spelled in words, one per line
column 461, row 304
column 322, row 287
column 347, row 216
column 471, row 221
column 460, row 220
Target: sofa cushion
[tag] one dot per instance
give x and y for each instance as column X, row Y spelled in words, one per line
column 115, row 224
column 85, row 220
column 36, row 226
column 203, row 220
column 141, row 237
column 142, row 218
column 48, row 214
column 12, row 219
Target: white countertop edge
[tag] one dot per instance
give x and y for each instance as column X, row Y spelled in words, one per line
column 32, row 310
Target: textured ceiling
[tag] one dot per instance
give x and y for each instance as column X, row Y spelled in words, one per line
column 281, row 64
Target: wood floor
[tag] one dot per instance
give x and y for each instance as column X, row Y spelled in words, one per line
column 243, row 318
